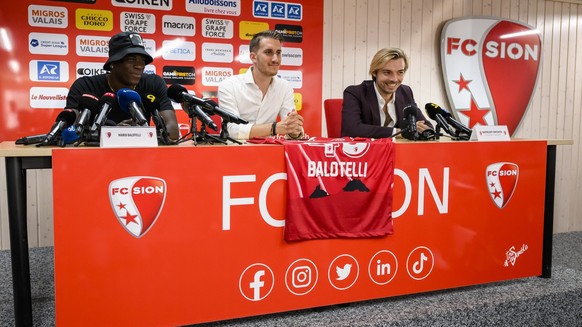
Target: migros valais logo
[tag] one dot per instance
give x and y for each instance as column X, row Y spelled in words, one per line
column 490, row 69
column 137, row 202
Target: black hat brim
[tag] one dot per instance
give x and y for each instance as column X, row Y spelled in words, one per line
column 127, row 51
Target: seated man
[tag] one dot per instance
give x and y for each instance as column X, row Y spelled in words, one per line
column 126, row 63
column 375, row 108
column 259, row 95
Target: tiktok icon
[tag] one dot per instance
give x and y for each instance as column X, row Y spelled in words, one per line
column 420, row 263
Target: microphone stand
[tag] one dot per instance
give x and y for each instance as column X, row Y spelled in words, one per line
column 224, row 133
column 208, row 138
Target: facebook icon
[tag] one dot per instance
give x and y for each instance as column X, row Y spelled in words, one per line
column 257, row 284
column 261, row 9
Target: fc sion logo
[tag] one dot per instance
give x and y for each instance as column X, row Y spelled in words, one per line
column 501, row 182
column 137, row 202
column 490, row 69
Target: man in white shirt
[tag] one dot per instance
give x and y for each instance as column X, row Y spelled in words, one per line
column 259, row 95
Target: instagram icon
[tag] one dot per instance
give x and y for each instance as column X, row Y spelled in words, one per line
column 301, row 276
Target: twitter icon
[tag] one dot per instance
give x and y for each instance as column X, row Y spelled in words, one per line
column 343, row 272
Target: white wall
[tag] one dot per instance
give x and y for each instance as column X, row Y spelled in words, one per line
column 355, row 29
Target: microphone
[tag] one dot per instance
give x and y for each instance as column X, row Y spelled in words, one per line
column 130, row 101
column 88, row 105
column 64, row 119
column 151, row 104
column 225, row 115
column 447, row 117
column 437, row 115
column 179, row 94
column 106, row 102
column 410, row 117
column 69, row 135
column 33, row 139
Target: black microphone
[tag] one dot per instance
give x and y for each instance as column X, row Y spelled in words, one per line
column 410, row 117
column 65, row 119
column 106, row 103
column 179, row 94
column 151, row 104
column 33, row 139
column 449, row 118
column 88, row 106
column 225, row 115
column 130, row 101
column 437, row 115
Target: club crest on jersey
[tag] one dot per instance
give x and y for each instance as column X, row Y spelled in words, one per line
column 137, row 202
column 484, row 57
column 501, row 182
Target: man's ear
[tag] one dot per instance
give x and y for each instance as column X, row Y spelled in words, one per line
column 253, row 56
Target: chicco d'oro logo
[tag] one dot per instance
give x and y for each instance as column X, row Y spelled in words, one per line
column 501, row 182
column 483, row 58
column 137, row 202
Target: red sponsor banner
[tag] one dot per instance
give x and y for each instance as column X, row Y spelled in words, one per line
column 46, row 45
column 210, row 240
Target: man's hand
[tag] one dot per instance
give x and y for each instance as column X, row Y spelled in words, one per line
column 291, row 125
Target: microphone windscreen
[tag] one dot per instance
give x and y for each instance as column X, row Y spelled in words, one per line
column 126, row 96
column 68, row 116
column 108, row 98
column 69, row 135
column 410, row 110
column 175, row 92
column 431, row 110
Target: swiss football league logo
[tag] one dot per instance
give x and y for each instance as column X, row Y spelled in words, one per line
column 490, row 69
column 501, row 182
column 137, row 202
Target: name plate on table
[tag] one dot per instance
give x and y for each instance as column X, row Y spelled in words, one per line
column 128, row 136
column 490, row 133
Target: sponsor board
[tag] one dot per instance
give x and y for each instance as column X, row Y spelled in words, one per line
column 291, row 33
column 92, row 46
column 185, row 75
column 217, row 52
column 178, row 25
column 48, row 16
column 277, row 10
column 217, row 28
column 48, row 71
column 94, row 19
column 48, row 43
column 247, row 29
column 89, row 69
column 294, row 77
column 212, row 76
column 179, row 50
column 48, row 97
column 216, row 7
column 291, row 56
column 144, row 4
column 143, row 23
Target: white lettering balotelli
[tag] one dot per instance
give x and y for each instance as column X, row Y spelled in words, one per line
column 339, row 189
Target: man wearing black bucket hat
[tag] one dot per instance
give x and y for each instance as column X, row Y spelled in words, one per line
column 126, row 64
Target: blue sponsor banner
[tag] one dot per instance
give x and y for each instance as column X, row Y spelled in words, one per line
column 48, row 70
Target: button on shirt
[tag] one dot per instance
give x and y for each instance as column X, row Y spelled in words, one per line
column 242, row 97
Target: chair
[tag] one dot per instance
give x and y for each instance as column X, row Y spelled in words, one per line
column 333, row 116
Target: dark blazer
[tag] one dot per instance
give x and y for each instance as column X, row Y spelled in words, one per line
column 361, row 115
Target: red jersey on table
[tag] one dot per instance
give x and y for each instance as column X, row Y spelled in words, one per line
column 339, row 188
